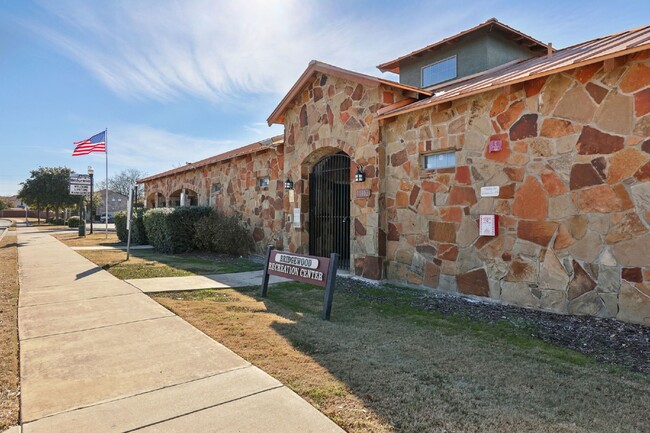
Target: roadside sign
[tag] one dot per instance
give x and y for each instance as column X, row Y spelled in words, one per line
column 80, row 179
column 319, row 271
column 76, row 189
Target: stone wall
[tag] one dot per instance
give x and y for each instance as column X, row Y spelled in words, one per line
column 333, row 114
column 260, row 209
column 574, row 203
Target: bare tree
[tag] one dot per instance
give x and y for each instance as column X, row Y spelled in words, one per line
column 124, row 180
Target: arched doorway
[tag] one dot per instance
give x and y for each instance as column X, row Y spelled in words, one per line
column 329, row 208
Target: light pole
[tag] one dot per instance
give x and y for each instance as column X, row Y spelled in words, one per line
column 91, row 172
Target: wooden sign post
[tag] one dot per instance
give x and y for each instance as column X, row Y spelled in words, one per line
column 319, row 271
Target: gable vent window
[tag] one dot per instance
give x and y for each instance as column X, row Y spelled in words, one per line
column 439, row 160
column 216, row 187
column 438, row 72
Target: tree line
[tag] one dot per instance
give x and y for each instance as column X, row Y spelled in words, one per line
column 48, row 188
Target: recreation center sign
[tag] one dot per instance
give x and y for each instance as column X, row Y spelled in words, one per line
column 319, row 271
column 307, row 269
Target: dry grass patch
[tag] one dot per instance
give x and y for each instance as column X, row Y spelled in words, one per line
column 384, row 366
column 72, row 239
column 9, row 381
column 151, row 264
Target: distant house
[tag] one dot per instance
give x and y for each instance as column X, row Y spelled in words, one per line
column 116, row 202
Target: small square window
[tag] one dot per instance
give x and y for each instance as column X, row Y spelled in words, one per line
column 216, row 187
column 438, row 72
column 264, row 182
column 439, row 160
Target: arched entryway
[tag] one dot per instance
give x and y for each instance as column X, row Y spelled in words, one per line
column 329, row 208
column 184, row 197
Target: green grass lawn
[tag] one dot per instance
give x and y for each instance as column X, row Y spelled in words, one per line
column 150, row 264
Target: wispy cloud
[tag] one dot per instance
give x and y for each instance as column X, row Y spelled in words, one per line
column 152, row 150
column 223, row 50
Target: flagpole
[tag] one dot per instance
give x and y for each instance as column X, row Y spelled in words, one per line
column 106, row 186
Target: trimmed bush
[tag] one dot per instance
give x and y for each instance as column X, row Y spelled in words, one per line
column 222, row 234
column 120, row 225
column 139, row 234
column 182, row 229
column 181, row 226
column 156, row 227
column 74, row 222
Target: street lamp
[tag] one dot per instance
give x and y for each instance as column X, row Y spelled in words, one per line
column 91, row 172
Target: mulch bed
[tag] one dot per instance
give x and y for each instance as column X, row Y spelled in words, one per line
column 606, row 340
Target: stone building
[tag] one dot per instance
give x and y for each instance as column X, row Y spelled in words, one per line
column 554, row 143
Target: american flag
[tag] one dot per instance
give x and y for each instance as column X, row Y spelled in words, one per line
column 96, row 143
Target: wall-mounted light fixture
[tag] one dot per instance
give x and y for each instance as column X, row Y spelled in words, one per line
column 288, row 184
column 360, row 176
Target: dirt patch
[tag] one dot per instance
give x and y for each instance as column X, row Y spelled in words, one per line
column 9, row 381
column 72, row 239
column 389, row 362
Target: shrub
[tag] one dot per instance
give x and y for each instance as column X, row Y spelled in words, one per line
column 157, row 231
column 181, row 226
column 222, row 234
column 139, row 234
column 74, row 222
column 120, row 225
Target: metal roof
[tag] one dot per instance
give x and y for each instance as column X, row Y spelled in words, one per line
column 582, row 54
column 270, row 143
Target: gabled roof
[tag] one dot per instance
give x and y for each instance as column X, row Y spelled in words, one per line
column 582, row 54
column 240, row 151
column 488, row 26
column 315, row 66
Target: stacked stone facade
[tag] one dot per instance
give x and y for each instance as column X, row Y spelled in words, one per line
column 261, row 209
column 334, row 115
column 573, row 172
column 574, row 202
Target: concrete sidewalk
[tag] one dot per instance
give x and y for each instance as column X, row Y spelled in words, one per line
column 98, row 355
column 198, row 282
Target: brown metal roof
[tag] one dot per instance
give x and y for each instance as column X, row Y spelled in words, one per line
column 491, row 24
column 582, row 54
column 315, row 66
column 240, row 151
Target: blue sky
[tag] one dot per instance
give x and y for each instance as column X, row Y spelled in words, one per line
column 178, row 81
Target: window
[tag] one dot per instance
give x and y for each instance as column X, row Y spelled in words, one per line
column 216, row 187
column 438, row 72
column 439, row 160
column 263, row 182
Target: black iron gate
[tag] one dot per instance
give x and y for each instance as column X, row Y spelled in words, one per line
column 329, row 208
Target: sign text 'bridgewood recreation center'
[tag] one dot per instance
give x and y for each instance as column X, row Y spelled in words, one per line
column 319, row 271
column 307, row 269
